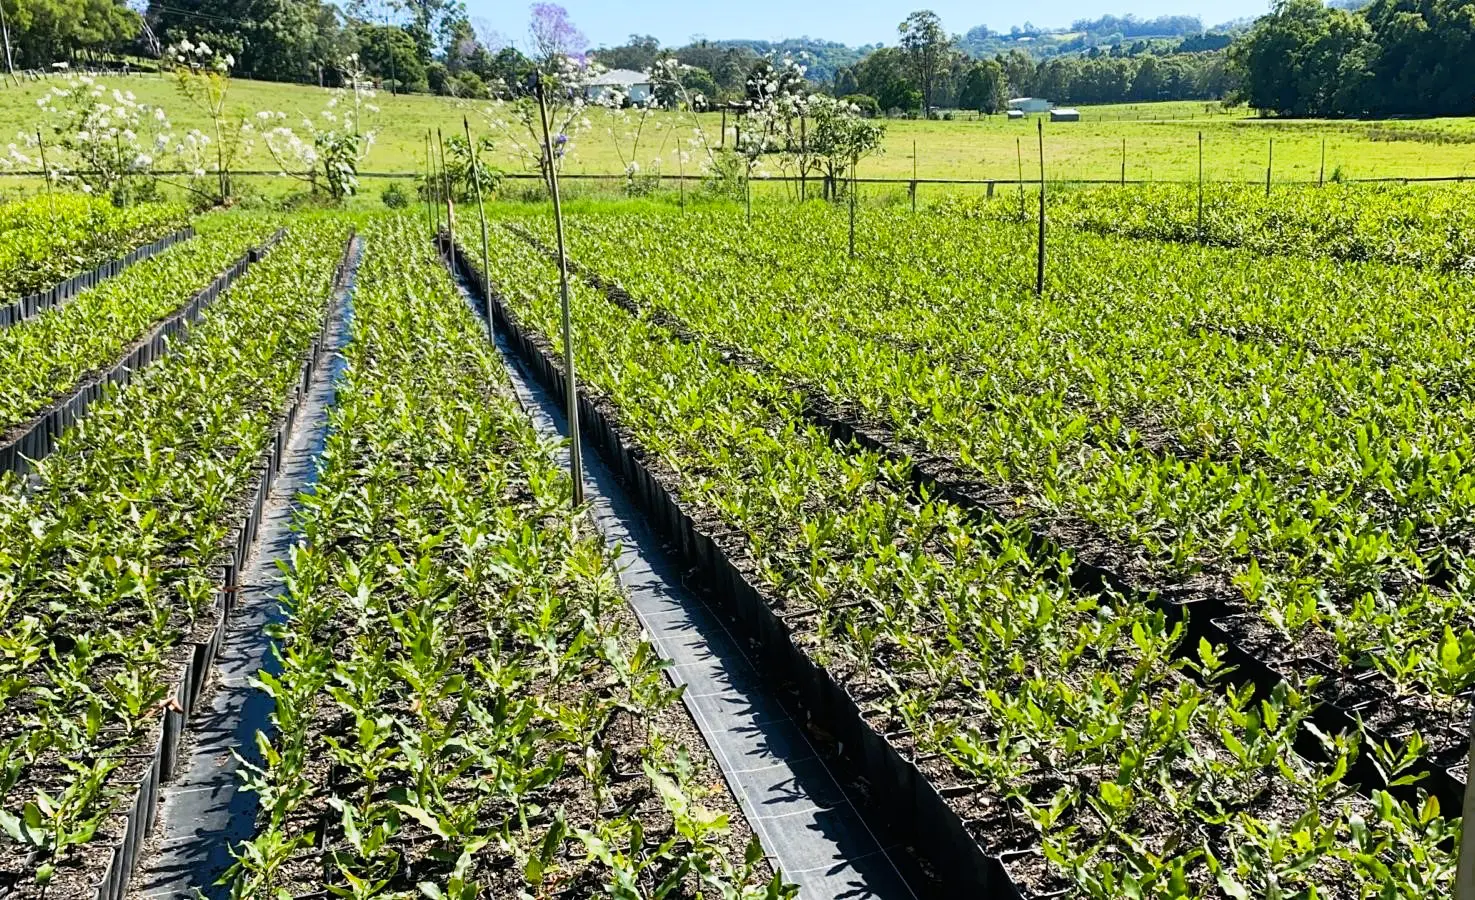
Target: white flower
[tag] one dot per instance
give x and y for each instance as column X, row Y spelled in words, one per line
column 199, row 172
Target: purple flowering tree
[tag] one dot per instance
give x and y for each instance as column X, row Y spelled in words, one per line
column 565, row 69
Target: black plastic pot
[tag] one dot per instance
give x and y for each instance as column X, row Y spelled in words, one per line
column 38, row 438
column 1204, row 611
column 18, row 311
column 915, row 811
column 199, row 654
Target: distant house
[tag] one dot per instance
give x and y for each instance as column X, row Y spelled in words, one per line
column 633, row 86
column 1065, row 114
column 1030, row 104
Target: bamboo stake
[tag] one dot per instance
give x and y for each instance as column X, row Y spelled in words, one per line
column 571, row 396
column 854, row 164
column 1040, row 255
column 445, row 177
column 1465, row 873
column 486, row 267
column 432, row 212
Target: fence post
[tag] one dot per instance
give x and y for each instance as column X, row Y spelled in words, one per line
column 914, row 176
column 1269, row 164
column 1124, row 162
column 722, row 139
column 1200, row 187
column 1321, row 177
column 1040, row 256
column 990, row 190
column 1019, row 155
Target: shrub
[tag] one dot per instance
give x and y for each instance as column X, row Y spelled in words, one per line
column 395, row 196
column 865, row 103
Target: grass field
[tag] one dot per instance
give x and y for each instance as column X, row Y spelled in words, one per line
column 1160, row 139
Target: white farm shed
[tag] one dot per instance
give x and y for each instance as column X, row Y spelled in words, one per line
column 1030, row 104
column 1065, row 114
column 635, row 86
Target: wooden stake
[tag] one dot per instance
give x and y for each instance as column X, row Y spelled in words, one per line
column 1124, row 162
column 571, row 396
column 1321, row 178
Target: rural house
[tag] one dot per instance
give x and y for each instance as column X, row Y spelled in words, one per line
column 635, row 86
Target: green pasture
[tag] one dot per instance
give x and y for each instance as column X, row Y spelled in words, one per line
column 1160, row 140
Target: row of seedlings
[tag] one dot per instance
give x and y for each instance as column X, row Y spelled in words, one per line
column 1309, row 502
column 117, row 570
column 46, row 240
column 467, row 705
column 53, row 366
column 1028, row 737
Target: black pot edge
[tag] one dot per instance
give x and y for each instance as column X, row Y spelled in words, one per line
column 915, row 811
column 1207, row 609
column 18, row 311
column 140, row 814
column 40, row 437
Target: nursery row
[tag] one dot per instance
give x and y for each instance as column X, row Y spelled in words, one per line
column 1314, row 502
column 467, row 705
column 111, row 554
column 45, row 357
column 49, row 237
column 1074, row 733
column 1422, row 226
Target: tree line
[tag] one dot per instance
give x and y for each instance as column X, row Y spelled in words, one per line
column 1302, row 58
column 1390, row 57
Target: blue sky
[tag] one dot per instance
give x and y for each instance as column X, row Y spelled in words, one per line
column 608, row 22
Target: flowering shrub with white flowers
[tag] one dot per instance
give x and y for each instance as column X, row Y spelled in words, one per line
column 333, row 142
column 515, row 122
column 203, row 78
column 99, row 139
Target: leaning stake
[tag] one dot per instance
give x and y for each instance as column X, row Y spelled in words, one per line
column 486, row 266
column 430, row 213
column 572, row 395
column 445, row 180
